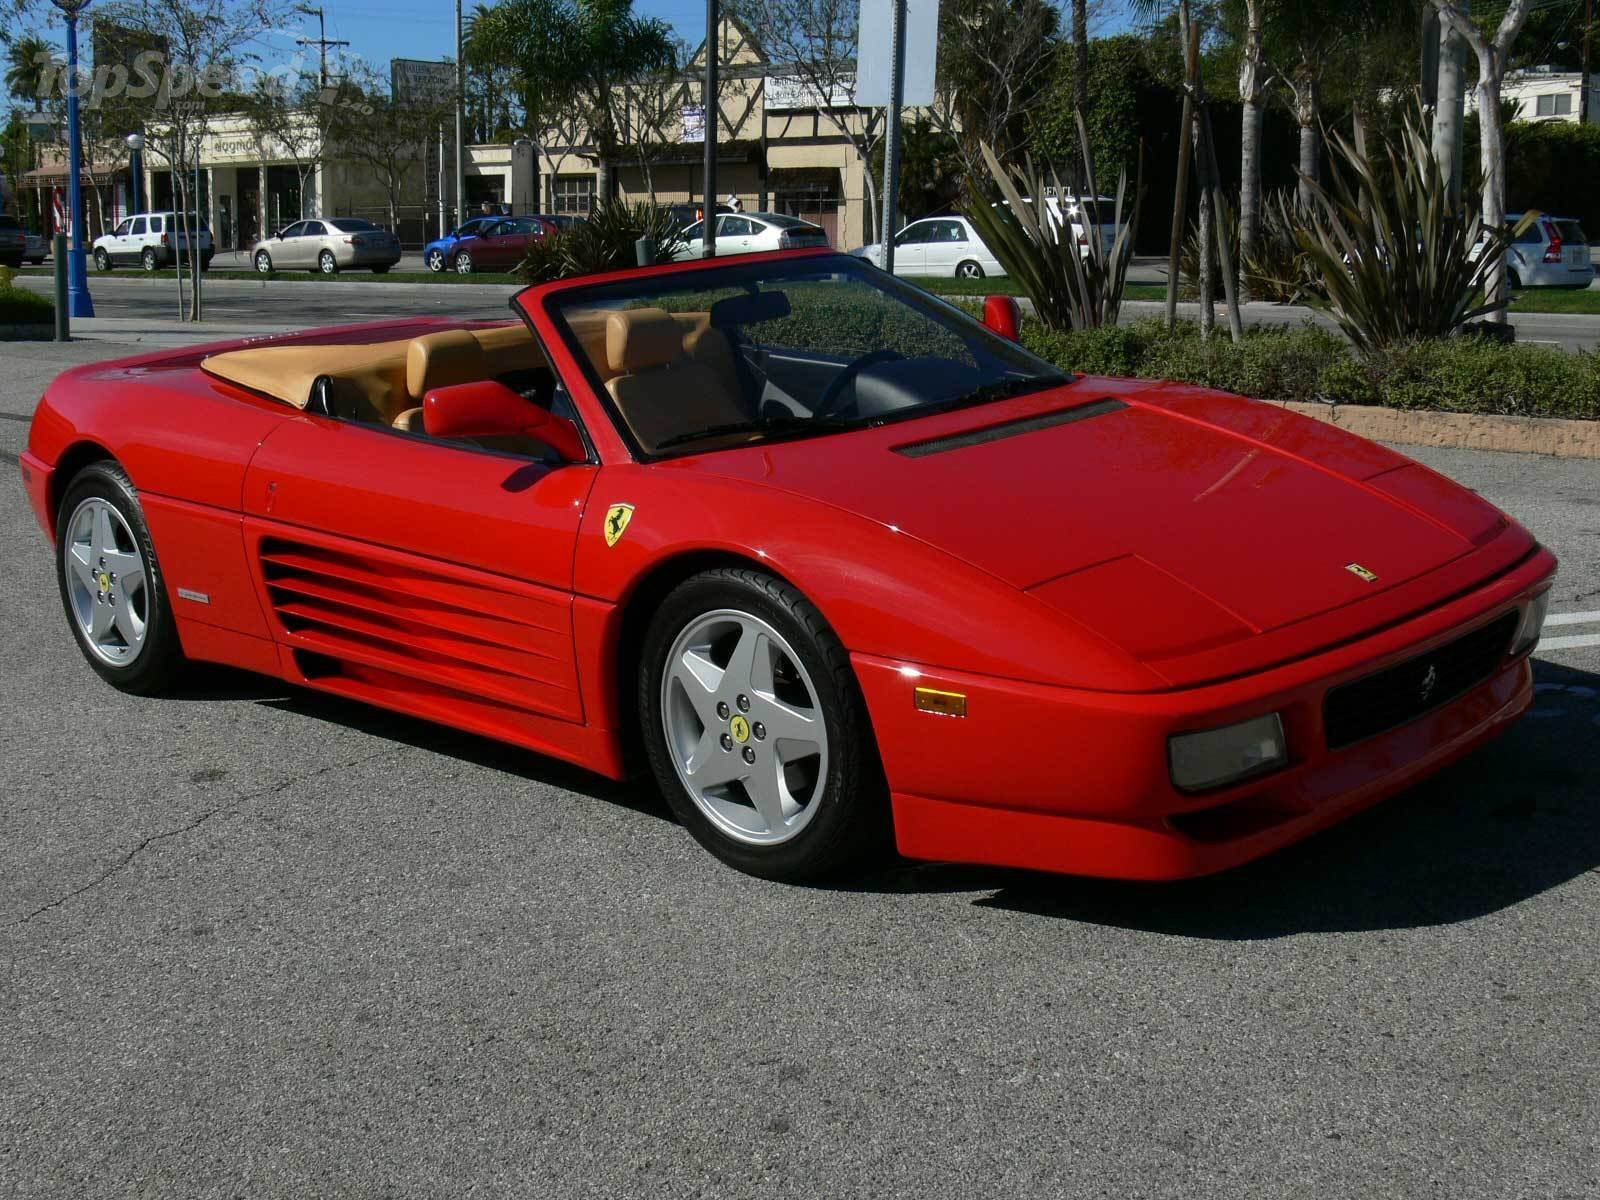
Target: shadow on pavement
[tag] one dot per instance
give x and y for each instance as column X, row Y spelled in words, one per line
column 1516, row 819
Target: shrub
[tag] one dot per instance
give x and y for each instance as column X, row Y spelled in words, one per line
column 1308, row 363
column 21, row 307
column 605, row 242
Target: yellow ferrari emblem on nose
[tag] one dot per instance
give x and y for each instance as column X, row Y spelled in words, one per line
column 617, row 518
column 1361, row 572
column 740, row 728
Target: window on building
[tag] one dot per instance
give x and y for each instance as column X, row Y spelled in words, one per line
column 574, row 194
column 1554, row 104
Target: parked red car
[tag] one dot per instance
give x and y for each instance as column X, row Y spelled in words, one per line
column 499, row 247
column 825, row 553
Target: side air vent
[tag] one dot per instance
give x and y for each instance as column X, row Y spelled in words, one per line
column 488, row 640
column 994, row 433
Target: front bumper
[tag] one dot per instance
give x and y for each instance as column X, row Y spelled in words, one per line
column 1074, row 781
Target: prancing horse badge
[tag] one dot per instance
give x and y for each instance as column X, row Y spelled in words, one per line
column 617, row 518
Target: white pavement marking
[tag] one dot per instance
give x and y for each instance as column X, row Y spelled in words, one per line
column 1570, row 643
column 1579, row 618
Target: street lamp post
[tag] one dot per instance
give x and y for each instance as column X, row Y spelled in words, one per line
column 79, row 303
column 135, row 143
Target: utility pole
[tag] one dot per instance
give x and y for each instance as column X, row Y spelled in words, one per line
column 321, row 41
column 891, row 150
column 708, row 230
column 461, row 100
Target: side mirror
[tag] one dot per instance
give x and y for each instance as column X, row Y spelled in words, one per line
column 490, row 409
column 1003, row 315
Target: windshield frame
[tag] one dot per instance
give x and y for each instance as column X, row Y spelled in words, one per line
column 755, row 267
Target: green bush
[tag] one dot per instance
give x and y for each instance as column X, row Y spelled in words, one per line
column 1308, row 363
column 604, row 242
column 21, row 307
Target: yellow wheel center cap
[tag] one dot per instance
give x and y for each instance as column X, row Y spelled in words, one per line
column 740, row 728
column 105, row 582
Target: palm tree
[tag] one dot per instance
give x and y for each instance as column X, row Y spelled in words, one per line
column 575, row 54
column 30, row 69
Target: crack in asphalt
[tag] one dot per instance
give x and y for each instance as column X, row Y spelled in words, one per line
column 238, row 802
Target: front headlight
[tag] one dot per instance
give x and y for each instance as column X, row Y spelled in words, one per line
column 1214, row 757
column 1532, row 624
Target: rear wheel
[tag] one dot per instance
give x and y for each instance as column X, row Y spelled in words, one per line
column 755, row 728
column 969, row 270
column 327, row 263
column 111, row 584
column 148, row 259
column 1513, row 280
column 380, row 270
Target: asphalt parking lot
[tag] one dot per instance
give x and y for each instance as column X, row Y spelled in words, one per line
column 259, row 942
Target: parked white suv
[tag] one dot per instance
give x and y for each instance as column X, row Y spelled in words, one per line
column 151, row 240
column 1551, row 252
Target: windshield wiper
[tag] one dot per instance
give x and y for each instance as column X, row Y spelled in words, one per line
column 786, row 424
column 1001, row 389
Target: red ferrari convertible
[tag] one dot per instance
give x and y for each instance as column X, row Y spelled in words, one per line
column 825, row 552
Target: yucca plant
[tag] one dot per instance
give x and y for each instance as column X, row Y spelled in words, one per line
column 1071, row 286
column 605, row 242
column 1278, row 267
column 1395, row 258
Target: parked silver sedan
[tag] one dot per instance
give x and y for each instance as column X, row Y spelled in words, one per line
column 328, row 245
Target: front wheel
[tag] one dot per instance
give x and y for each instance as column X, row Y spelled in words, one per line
column 111, row 583
column 755, row 728
column 969, row 270
column 436, row 262
column 464, row 263
column 102, row 261
column 263, row 262
column 327, row 263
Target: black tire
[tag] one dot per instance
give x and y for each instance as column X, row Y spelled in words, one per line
column 148, row 260
column 1513, row 280
column 327, row 263
column 852, row 821
column 102, row 261
column 380, row 270
column 161, row 659
column 263, row 263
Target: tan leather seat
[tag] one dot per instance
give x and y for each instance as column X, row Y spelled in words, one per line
column 658, row 388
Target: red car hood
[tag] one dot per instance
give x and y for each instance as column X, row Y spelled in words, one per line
column 1209, row 516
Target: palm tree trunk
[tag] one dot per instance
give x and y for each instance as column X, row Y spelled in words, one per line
column 1447, row 111
column 1080, row 56
column 1491, row 157
column 1251, row 120
column 1307, row 97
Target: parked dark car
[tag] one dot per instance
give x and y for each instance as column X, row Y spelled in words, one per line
column 499, row 246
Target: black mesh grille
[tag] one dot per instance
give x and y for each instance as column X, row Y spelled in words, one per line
column 1402, row 693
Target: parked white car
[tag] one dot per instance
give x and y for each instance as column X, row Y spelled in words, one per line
column 947, row 246
column 748, row 233
column 151, row 240
column 1551, row 252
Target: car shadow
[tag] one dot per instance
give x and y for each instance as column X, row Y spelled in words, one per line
column 1514, row 820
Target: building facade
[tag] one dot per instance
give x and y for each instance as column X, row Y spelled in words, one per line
column 1543, row 94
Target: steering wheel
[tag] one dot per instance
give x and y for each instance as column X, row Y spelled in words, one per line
column 831, row 395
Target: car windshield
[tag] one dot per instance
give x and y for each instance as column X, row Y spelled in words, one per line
column 712, row 359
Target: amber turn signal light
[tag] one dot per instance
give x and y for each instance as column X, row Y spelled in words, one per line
column 941, row 704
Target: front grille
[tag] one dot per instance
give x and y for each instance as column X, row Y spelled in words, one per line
column 1419, row 685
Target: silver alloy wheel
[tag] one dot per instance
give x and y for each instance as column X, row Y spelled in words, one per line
column 463, row 263
column 107, row 582
column 436, row 260
column 744, row 727
column 970, row 270
column 263, row 262
column 148, row 260
column 327, row 262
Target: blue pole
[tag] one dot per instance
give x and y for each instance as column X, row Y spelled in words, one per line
column 78, row 300
column 138, row 180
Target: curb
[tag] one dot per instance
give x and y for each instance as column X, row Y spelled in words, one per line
column 35, row 331
column 1555, row 436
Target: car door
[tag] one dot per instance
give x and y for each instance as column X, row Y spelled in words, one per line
column 130, row 245
column 422, row 574
column 507, row 243
column 284, row 245
column 311, row 243
column 911, row 249
column 946, row 247
column 119, row 237
column 735, row 235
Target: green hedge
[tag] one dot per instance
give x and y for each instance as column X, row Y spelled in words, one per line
column 18, row 307
column 1469, row 375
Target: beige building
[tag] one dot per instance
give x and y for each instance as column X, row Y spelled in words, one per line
column 781, row 148
column 1543, row 94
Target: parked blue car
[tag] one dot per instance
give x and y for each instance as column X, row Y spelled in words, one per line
column 438, row 253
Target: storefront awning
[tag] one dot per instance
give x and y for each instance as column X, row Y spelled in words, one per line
column 56, row 175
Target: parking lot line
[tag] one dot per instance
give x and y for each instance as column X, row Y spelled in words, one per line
column 1574, row 618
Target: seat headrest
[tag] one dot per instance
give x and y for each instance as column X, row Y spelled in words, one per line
column 640, row 338
column 443, row 359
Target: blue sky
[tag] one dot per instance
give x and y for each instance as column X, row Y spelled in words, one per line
column 383, row 29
